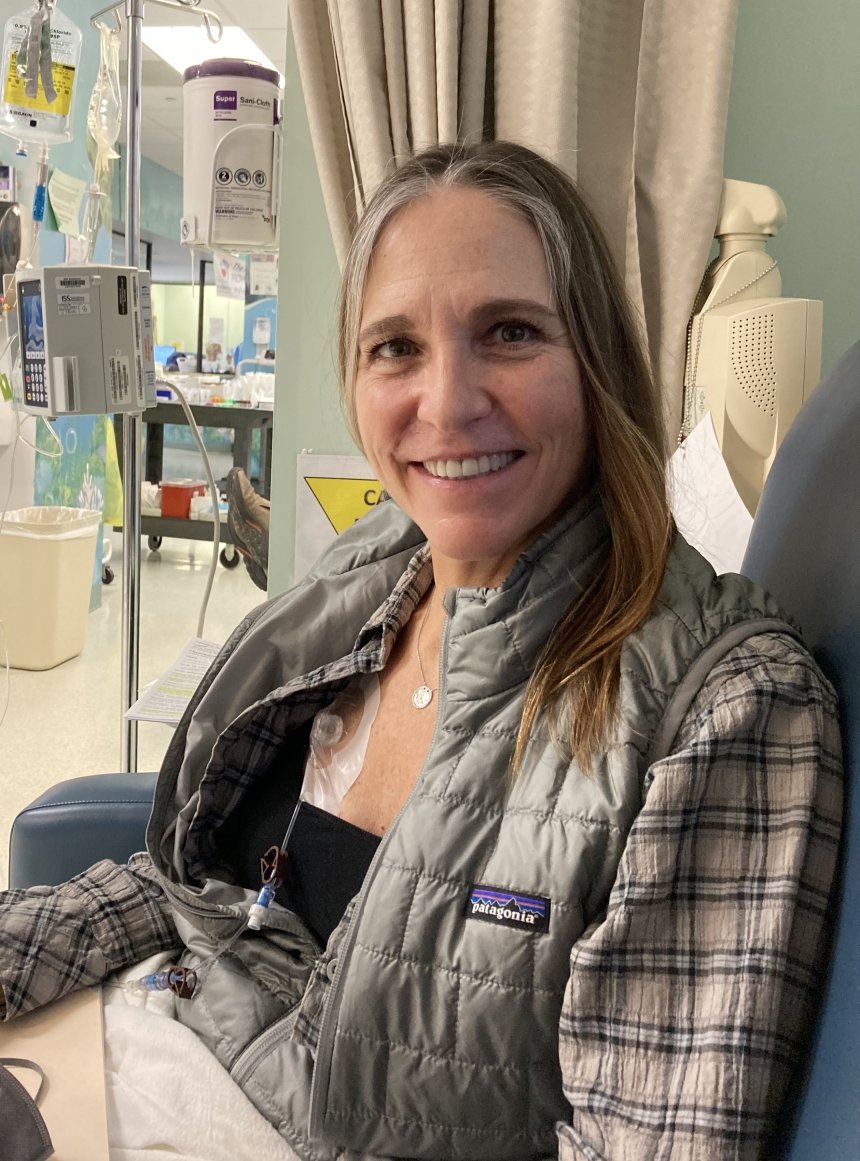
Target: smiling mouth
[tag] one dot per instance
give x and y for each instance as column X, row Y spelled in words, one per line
column 470, row 467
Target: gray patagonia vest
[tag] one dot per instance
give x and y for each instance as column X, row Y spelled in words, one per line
column 428, row 1028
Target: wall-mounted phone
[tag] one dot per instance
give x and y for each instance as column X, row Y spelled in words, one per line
column 752, row 356
column 85, row 340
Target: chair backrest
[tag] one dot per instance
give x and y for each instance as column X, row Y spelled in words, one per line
column 805, row 548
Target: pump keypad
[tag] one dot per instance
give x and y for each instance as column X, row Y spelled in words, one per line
column 35, row 387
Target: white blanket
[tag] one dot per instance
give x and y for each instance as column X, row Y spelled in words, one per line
column 168, row 1098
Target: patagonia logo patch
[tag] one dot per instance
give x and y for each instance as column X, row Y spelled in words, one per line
column 508, row 908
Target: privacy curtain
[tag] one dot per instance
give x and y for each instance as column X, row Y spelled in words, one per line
column 629, row 96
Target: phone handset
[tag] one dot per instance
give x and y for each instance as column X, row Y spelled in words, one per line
column 749, row 215
column 752, row 356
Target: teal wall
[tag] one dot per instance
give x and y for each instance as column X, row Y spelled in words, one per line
column 160, row 198
column 306, row 408
column 794, row 124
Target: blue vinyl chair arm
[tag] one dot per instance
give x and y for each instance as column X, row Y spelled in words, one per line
column 76, row 823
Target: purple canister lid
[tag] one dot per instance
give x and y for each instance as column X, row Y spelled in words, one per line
column 231, row 68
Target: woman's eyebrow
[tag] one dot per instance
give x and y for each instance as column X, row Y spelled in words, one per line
column 513, row 306
column 385, row 327
column 485, row 311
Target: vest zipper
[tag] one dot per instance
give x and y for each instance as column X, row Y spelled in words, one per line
column 251, row 1055
column 325, row 1048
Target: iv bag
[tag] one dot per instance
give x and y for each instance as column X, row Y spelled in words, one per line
column 104, row 114
column 104, row 121
column 36, row 118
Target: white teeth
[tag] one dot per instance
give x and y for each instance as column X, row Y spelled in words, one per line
column 458, row 469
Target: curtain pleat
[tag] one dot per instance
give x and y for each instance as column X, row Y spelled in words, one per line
column 398, row 97
column 446, row 31
column 420, row 65
column 629, row 96
column 679, row 133
column 327, row 117
column 535, row 47
column 472, row 71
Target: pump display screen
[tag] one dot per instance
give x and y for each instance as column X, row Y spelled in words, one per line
column 32, row 343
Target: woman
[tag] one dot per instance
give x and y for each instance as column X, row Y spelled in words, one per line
column 570, row 803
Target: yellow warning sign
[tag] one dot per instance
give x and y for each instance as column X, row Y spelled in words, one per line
column 344, row 500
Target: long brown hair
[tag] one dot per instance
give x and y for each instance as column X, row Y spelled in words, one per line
column 577, row 676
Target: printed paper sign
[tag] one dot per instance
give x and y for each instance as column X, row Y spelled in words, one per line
column 229, row 276
column 264, row 274
column 167, row 698
column 66, row 194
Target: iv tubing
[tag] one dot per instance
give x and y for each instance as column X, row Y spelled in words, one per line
column 40, row 195
column 216, row 512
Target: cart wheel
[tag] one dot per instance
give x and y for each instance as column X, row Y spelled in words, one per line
column 154, row 543
column 107, row 574
column 229, row 556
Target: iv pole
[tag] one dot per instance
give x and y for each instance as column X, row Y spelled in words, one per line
column 132, row 438
column 132, row 443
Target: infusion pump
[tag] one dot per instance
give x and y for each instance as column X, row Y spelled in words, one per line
column 85, row 340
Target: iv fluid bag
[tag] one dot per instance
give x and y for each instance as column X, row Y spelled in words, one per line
column 104, row 114
column 36, row 119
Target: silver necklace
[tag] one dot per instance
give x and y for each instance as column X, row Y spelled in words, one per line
column 422, row 695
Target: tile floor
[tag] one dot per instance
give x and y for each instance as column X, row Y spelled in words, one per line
column 65, row 721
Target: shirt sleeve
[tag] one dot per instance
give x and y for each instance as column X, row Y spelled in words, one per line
column 688, row 1003
column 54, row 940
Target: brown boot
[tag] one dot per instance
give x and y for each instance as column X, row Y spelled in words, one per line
column 248, row 520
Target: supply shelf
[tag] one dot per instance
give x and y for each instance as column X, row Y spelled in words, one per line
column 243, row 421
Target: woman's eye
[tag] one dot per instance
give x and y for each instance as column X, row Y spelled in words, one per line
column 514, row 333
column 393, row 349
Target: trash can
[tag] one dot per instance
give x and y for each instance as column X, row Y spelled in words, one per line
column 47, row 556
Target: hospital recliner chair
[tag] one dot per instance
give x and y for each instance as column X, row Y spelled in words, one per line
column 805, row 547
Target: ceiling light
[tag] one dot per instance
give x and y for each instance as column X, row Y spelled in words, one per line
column 185, row 45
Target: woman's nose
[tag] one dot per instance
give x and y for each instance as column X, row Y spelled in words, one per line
column 454, row 391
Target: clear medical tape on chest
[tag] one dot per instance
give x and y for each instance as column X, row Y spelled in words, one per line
column 338, row 743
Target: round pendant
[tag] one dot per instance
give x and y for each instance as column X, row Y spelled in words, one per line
column 422, row 696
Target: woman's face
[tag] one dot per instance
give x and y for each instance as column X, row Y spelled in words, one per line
column 468, row 394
